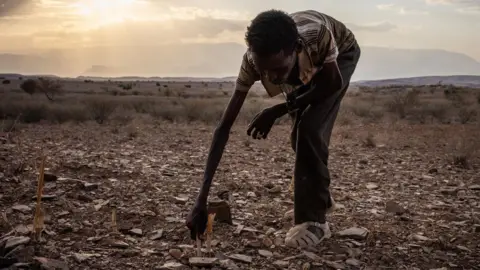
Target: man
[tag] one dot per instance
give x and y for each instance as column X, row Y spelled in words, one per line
column 309, row 57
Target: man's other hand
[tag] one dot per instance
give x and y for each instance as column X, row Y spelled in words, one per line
column 262, row 123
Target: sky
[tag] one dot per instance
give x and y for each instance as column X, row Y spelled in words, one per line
column 32, row 25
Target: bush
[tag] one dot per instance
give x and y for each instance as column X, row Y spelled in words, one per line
column 401, row 103
column 100, row 109
column 6, row 82
column 49, row 87
column 466, row 115
column 29, row 86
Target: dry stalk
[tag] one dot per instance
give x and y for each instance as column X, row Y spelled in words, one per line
column 38, row 224
column 114, row 221
column 211, row 217
column 199, row 247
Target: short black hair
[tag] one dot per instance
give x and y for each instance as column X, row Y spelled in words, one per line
column 270, row 32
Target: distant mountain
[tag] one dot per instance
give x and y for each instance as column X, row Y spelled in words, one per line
column 221, row 60
column 465, row 81
column 378, row 63
column 159, row 79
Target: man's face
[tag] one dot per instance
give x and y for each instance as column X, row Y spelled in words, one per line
column 277, row 67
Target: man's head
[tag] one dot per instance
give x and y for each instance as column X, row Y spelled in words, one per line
column 272, row 37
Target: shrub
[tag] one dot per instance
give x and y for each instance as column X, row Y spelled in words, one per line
column 49, row 87
column 401, row 103
column 29, row 86
column 100, row 109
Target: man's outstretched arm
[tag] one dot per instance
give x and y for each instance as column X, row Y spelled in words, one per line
column 197, row 218
column 220, row 138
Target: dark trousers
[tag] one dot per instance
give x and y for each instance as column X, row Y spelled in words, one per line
column 310, row 138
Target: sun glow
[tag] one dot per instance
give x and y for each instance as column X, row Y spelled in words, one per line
column 102, row 12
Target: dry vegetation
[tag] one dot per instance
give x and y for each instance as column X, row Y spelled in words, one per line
column 129, row 155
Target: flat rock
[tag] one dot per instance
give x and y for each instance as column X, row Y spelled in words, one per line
column 156, row 235
column 280, row 264
column 265, row 253
column 16, row 241
column 354, row 233
column 222, row 211
column 419, row 237
column 275, row 190
column 137, row 232
column 175, row 253
column 394, row 207
column 371, row 186
column 229, row 265
column 22, row 229
column 50, row 264
column 89, row 186
column 474, row 187
column 181, row 199
column 118, row 244
column 312, row 256
column 335, row 265
column 353, row 262
column 46, row 197
column 202, row 261
column 81, row 257
column 22, row 208
column 171, row 266
column 241, row 258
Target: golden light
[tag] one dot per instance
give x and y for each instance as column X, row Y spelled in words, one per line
column 101, row 12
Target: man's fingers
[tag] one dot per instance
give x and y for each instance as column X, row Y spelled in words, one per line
column 255, row 133
column 252, row 124
column 249, row 130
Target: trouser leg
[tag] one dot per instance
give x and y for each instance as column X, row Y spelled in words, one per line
column 311, row 134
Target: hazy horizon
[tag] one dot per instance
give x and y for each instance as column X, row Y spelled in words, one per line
column 198, row 39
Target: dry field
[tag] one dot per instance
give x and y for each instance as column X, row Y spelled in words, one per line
column 404, row 164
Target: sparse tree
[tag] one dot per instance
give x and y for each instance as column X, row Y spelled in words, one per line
column 49, row 87
column 29, row 86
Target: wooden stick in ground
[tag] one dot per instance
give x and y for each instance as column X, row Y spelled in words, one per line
column 199, row 247
column 38, row 218
column 211, row 217
column 114, row 221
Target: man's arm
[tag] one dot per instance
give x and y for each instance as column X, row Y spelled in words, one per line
column 220, row 138
column 326, row 82
column 246, row 78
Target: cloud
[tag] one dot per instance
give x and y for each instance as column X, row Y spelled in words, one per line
column 464, row 6
column 386, row 6
column 132, row 33
column 373, row 27
column 401, row 10
column 16, row 7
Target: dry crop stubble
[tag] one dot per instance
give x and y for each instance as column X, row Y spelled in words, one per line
column 148, row 167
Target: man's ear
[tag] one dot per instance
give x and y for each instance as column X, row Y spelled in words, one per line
column 298, row 45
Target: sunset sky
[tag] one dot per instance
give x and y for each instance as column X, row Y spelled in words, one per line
column 30, row 25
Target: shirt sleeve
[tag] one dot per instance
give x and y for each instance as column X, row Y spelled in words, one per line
column 247, row 75
column 326, row 46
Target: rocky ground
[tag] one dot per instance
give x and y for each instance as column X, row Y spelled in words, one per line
column 403, row 204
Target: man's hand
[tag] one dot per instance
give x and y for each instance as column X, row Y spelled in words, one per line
column 262, row 123
column 197, row 220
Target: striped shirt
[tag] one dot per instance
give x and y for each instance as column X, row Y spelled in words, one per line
column 323, row 39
